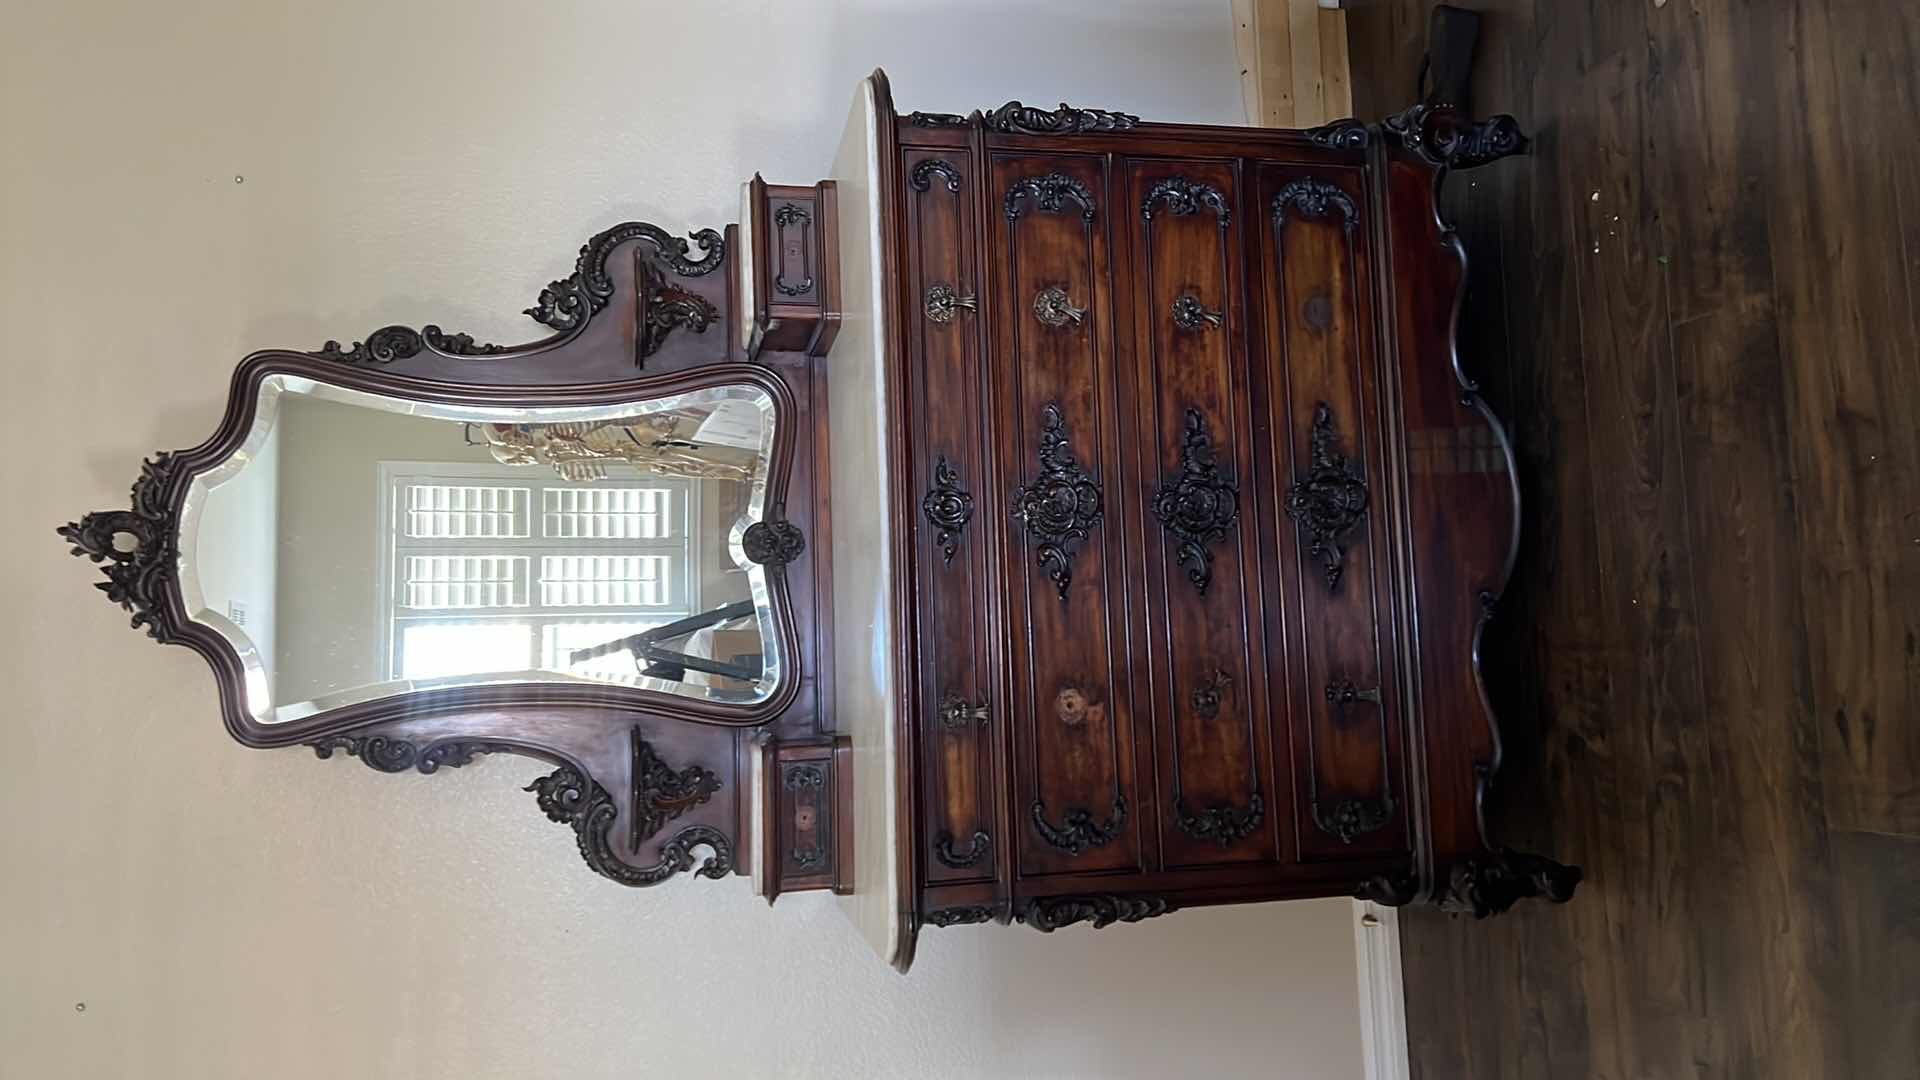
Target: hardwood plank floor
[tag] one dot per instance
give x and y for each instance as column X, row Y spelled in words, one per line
column 1695, row 302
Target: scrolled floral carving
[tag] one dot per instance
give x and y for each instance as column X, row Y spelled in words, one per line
column 1047, row 914
column 1014, row 118
column 1061, row 504
column 1050, row 193
column 1183, row 197
column 1079, row 831
column 1315, row 199
column 948, row 508
column 1446, row 139
column 967, row 915
column 1223, row 825
column 662, row 793
column 1329, row 501
column 1199, row 505
column 569, row 797
column 921, row 178
column 1491, row 883
column 140, row 573
column 566, row 303
column 1350, row 818
column 1348, row 134
column 392, row 754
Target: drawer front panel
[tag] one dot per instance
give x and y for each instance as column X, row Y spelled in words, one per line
column 1057, row 436
column 1209, row 695
column 958, row 721
column 1329, row 461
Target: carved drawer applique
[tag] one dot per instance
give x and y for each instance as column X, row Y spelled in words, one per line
column 1061, row 503
column 1329, row 501
column 1199, row 505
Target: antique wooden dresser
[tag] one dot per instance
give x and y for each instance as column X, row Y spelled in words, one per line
column 1167, row 519
column 1050, row 517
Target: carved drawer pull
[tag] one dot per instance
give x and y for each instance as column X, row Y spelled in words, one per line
column 1053, row 308
column 943, row 300
column 1350, row 818
column 1342, row 693
column 958, row 714
column 953, row 859
column 1190, row 314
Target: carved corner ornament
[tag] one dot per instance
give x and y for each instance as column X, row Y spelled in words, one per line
column 1348, row 134
column 1061, row 504
column 1047, row 914
column 565, row 306
column 137, row 548
column 1200, row 504
column 1491, row 883
column 1328, row 502
column 1446, row 139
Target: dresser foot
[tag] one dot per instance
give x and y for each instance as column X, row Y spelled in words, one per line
column 1490, row 883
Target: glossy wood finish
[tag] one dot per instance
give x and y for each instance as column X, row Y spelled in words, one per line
column 1192, row 694
column 1693, row 297
column 1209, row 676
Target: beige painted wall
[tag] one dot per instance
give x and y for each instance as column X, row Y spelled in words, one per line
column 229, row 913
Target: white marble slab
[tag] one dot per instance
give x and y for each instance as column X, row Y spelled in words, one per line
column 866, row 638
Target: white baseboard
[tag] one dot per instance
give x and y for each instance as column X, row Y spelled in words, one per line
column 1383, row 1000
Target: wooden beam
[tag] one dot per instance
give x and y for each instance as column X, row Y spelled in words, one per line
column 1293, row 62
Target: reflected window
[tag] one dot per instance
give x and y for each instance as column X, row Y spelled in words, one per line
column 478, row 581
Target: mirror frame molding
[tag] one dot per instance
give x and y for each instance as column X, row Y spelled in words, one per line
column 635, row 320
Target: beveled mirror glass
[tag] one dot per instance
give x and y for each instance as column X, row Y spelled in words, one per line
column 358, row 546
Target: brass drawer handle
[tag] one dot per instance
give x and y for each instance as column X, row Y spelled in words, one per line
column 943, row 300
column 1053, row 308
column 1190, row 314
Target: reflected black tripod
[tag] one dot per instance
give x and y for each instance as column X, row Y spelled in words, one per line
column 659, row 662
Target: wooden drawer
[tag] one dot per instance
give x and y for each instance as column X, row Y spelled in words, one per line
column 1321, row 380
column 1210, row 699
column 959, row 727
column 1058, row 434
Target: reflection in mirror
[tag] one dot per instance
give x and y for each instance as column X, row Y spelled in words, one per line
column 359, row 546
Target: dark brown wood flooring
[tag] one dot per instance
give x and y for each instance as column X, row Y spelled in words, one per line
column 1695, row 302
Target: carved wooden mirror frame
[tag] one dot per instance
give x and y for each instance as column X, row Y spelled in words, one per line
column 640, row 317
